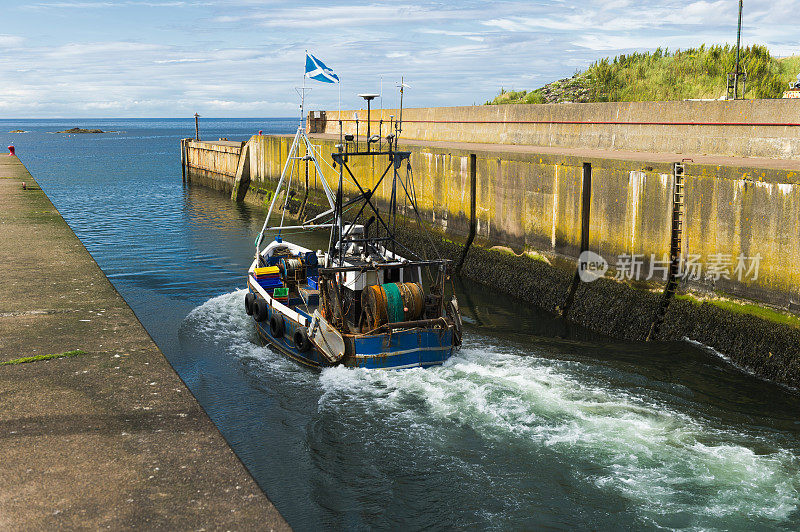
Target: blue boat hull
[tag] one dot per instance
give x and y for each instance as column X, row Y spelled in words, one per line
column 400, row 349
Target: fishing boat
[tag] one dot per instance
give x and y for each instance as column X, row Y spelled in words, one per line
column 367, row 301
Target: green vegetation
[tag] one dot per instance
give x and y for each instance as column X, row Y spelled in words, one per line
column 36, row 358
column 663, row 75
column 534, row 96
column 752, row 309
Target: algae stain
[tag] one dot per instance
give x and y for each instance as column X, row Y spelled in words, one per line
column 636, row 185
column 750, row 309
column 555, row 208
column 36, row 358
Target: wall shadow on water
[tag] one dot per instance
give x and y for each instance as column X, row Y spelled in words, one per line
column 697, row 376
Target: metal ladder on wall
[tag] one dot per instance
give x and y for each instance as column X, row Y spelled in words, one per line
column 674, row 277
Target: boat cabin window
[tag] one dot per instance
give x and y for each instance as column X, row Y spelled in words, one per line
column 411, row 274
column 391, row 275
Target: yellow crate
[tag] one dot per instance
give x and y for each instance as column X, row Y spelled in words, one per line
column 267, row 270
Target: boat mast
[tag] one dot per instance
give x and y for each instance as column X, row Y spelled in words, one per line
column 365, row 196
column 398, row 126
column 299, row 137
column 339, row 214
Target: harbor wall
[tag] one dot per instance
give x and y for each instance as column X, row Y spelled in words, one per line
column 741, row 128
column 530, row 201
column 529, row 217
column 211, row 163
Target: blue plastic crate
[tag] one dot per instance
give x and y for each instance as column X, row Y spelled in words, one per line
column 269, row 284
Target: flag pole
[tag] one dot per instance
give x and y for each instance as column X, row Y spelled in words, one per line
column 303, row 92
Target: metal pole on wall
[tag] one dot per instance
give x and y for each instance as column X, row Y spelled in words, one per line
column 303, row 94
column 738, row 45
column 586, row 203
column 183, row 160
column 196, row 127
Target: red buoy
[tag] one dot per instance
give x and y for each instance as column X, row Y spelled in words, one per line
column 260, row 131
column 11, row 151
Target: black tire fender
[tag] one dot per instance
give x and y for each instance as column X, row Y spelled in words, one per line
column 260, row 310
column 249, row 301
column 276, row 325
column 301, row 341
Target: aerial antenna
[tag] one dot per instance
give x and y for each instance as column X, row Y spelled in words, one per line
column 302, row 92
column 399, row 125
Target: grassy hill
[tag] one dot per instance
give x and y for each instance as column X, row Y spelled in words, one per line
column 664, row 75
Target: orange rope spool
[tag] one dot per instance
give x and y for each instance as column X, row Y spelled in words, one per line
column 374, row 306
column 413, row 300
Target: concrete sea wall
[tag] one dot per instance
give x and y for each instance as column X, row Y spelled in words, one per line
column 761, row 345
column 743, row 128
column 211, row 163
column 739, row 215
column 531, row 201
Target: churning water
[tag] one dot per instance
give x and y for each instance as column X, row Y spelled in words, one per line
column 533, row 424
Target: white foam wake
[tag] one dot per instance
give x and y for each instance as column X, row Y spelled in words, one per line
column 223, row 322
column 663, row 461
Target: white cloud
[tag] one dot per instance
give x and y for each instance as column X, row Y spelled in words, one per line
column 244, row 57
column 103, row 48
column 569, row 23
column 117, row 4
column 352, row 15
column 181, row 60
column 10, row 41
column 640, row 42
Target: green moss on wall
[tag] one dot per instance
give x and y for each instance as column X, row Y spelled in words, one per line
column 746, row 308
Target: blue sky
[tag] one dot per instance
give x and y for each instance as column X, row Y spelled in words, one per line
column 242, row 58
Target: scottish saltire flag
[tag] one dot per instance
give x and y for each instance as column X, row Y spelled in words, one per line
column 316, row 69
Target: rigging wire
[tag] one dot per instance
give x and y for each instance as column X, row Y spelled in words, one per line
column 410, row 172
column 286, row 194
column 304, row 230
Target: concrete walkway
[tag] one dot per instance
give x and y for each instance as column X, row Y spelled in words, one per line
column 111, row 438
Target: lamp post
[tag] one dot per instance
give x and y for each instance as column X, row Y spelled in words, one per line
column 738, row 45
column 369, row 98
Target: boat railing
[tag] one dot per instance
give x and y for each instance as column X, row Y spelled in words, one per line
column 338, row 155
column 383, row 266
column 277, row 305
column 426, row 324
